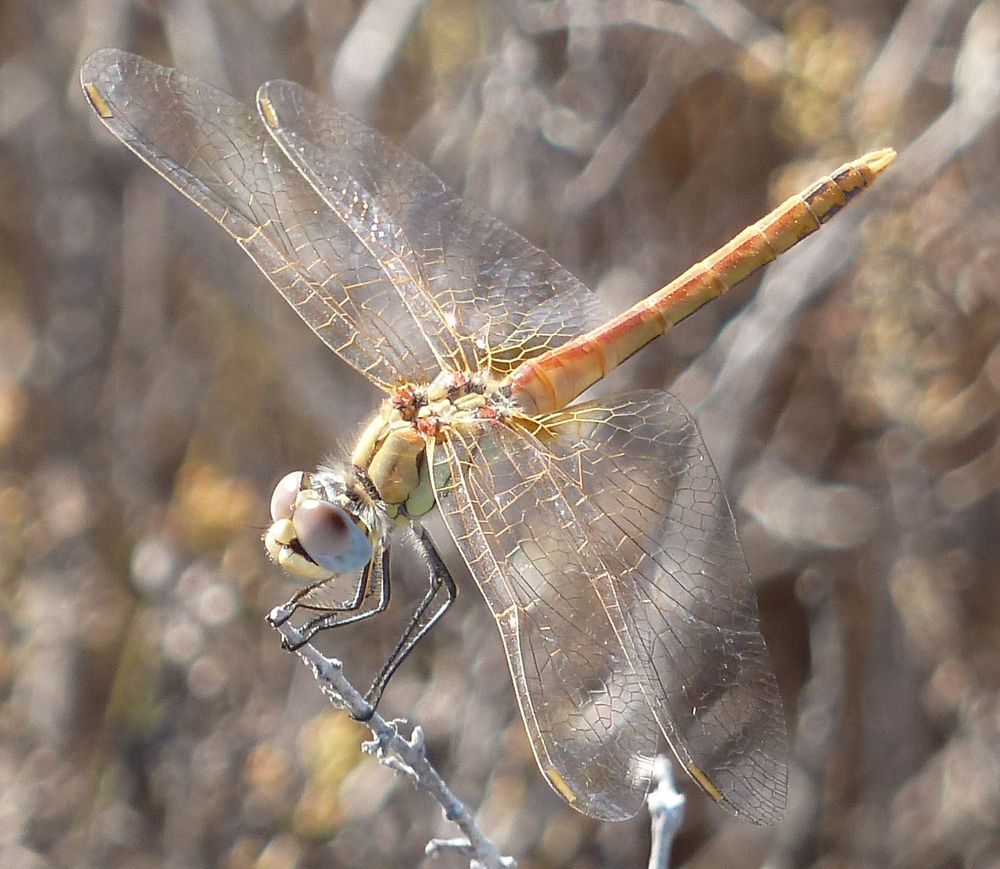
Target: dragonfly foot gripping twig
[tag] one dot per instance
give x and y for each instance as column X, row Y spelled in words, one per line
column 405, row 756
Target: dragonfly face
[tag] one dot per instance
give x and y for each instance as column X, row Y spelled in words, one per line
column 317, row 527
column 598, row 532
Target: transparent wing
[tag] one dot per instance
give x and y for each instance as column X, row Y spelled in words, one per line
column 471, row 281
column 592, row 732
column 606, row 549
column 217, row 152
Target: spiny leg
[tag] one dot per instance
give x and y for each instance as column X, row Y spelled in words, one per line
column 420, row 623
column 292, row 604
column 371, row 597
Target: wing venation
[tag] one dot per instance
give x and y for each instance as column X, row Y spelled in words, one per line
column 393, row 271
column 610, row 541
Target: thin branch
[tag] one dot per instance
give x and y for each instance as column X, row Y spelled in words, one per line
column 405, row 756
column 666, row 810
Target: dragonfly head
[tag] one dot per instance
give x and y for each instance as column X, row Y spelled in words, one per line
column 316, row 531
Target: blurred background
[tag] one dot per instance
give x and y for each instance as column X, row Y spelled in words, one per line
column 153, row 388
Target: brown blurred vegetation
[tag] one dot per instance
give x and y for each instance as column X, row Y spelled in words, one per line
column 152, row 389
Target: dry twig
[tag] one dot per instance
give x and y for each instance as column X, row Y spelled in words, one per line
column 405, row 756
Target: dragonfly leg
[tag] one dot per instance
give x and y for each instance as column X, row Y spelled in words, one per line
column 426, row 614
column 370, row 598
column 292, row 603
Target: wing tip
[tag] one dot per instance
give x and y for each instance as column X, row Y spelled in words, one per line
column 270, row 95
column 98, row 61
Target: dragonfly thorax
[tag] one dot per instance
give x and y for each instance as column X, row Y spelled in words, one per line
column 392, row 449
column 328, row 522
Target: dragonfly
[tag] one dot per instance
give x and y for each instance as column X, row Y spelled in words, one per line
column 598, row 531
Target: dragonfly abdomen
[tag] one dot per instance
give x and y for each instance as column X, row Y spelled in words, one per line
column 554, row 379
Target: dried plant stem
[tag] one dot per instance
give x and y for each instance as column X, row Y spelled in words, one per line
column 405, row 756
column 666, row 809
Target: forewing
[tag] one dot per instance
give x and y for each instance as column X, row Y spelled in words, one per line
column 217, row 152
column 471, row 281
column 626, row 489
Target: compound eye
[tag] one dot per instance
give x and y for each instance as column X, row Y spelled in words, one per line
column 284, row 495
column 331, row 537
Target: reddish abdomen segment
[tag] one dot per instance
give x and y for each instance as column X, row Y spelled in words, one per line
column 555, row 378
